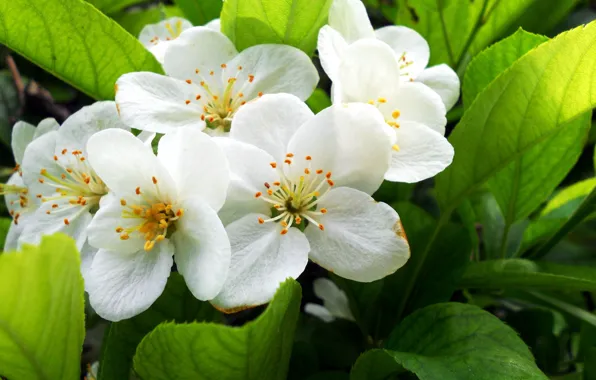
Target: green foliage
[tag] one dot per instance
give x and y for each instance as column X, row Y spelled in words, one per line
column 122, row 338
column 199, row 12
column 295, row 23
column 5, row 224
column 318, row 101
column 134, row 21
column 41, row 313
column 9, row 105
column 74, row 41
column 450, row 341
column 111, row 6
column 258, row 350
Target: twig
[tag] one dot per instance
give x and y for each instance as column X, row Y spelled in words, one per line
column 18, row 83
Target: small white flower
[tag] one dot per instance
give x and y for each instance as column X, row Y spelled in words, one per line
column 209, row 81
column 161, row 206
column 19, row 202
column 348, row 22
column 415, row 115
column 335, row 302
column 156, row 37
column 293, row 169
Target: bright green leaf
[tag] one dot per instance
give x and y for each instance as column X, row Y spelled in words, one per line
column 5, row 224
column 318, row 101
column 571, row 195
column 543, row 16
column 200, row 12
column 111, row 6
column 258, row 350
column 526, row 105
column 122, row 338
column 450, row 341
column 134, row 21
column 74, row 41
column 42, row 311
column 295, row 22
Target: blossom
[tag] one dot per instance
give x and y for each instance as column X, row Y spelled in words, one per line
column 348, row 22
column 156, row 37
column 415, row 114
column 18, row 199
column 209, row 81
column 314, row 173
column 162, row 206
column 335, row 302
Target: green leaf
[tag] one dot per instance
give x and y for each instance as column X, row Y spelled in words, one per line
column 318, row 101
column 5, row 224
column 522, row 108
column 200, row 12
column 122, row 338
column 75, row 42
column 110, row 6
column 450, row 341
column 543, row 16
column 295, row 22
column 258, row 350
column 135, row 21
column 526, row 274
column 42, row 312
column 568, row 308
column 566, row 201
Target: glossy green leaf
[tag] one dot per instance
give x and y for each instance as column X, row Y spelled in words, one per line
column 522, row 108
column 526, row 274
column 577, row 312
column 42, row 311
column 5, row 224
column 450, row 341
column 200, row 12
column 543, row 16
column 258, row 350
column 295, row 22
column 75, row 42
column 122, row 338
column 569, row 198
column 135, row 21
column 318, row 101
column 110, row 6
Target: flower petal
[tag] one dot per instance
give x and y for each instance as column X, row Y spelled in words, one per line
column 203, row 251
column 262, row 258
column 147, row 137
column 87, row 255
column 156, row 103
column 350, row 19
column 270, row 123
column 197, row 164
column 332, row 47
column 102, row 229
column 39, row 156
column 271, row 69
column 362, row 240
column 334, row 299
column 11, row 242
column 319, row 311
column 121, row 285
column 444, row 81
column 124, row 164
column 199, row 49
column 46, row 125
column 423, row 153
column 409, row 46
column 156, row 37
column 22, row 135
column 368, row 72
column 418, row 103
column 214, row 25
column 349, row 141
column 250, row 169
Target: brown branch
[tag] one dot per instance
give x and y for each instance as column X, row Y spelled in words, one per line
column 18, row 83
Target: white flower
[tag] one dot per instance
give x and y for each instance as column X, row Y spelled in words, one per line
column 161, row 206
column 348, row 22
column 209, row 81
column 292, row 169
column 156, row 37
column 335, row 302
column 19, row 202
column 415, row 114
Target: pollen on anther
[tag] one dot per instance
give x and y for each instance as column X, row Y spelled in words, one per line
column 149, row 245
column 328, row 175
column 41, row 180
column 55, row 158
column 308, row 158
column 223, row 66
column 123, row 202
column 179, row 213
column 188, row 81
column 382, row 100
column 260, row 94
column 290, row 155
column 197, row 71
column 251, row 78
column 306, row 171
column 119, row 229
column 187, row 101
column 198, row 97
column 320, row 171
column 298, row 220
column 395, row 114
column 258, row 194
column 321, row 227
column 138, row 191
column 323, row 211
column 288, row 161
column 211, row 72
column 330, row 182
column 261, row 221
column 154, row 180
column 54, row 205
column 43, row 171
column 284, row 231
column 124, row 236
column 273, row 165
column 66, row 221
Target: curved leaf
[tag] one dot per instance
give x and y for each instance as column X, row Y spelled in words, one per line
column 200, row 12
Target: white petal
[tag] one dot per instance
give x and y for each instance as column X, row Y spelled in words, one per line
column 40, row 155
column 350, row 19
column 87, row 255
column 201, row 49
column 334, row 299
column 409, row 46
column 347, row 140
column 416, row 102
column 362, row 241
column 156, row 37
column 121, row 285
column 319, row 311
column 102, row 229
column 276, row 68
column 22, row 135
column 202, row 249
column 156, row 103
column 270, row 123
column 250, row 169
column 262, row 258
column 147, row 137
column 214, row 25
column 197, row 164
column 45, row 126
column 423, row 153
column 124, row 164
column 444, row 81
column 332, row 47
column 369, row 71
column 11, row 242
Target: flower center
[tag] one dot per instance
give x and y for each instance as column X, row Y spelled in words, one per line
column 296, row 199
column 77, row 183
column 153, row 218
column 174, row 32
column 391, row 121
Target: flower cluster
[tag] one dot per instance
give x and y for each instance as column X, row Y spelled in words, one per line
column 246, row 184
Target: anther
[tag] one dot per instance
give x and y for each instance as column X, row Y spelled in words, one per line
column 320, row 171
column 321, row 227
column 251, row 78
column 123, row 202
column 330, row 182
column 308, row 158
column 64, row 151
column 395, row 147
column 382, row 100
column 179, row 213
column 197, row 71
column 54, row 205
column 260, row 94
column 198, row 97
column 290, row 155
column 258, row 194
column 261, row 221
column 284, row 231
column 267, row 185
column 119, row 229
column 328, row 175
column 288, row 161
column 55, row 158
column 239, row 67
column 323, row 211
column 41, row 180
column 187, row 101
column 124, row 236
column 138, row 191
column 283, row 223
column 298, row 220
column 211, row 72
column 188, row 81
column 149, row 245
column 306, row 171
column 43, row 172
column 154, row 180
column 66, row 222
column 395, row 114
